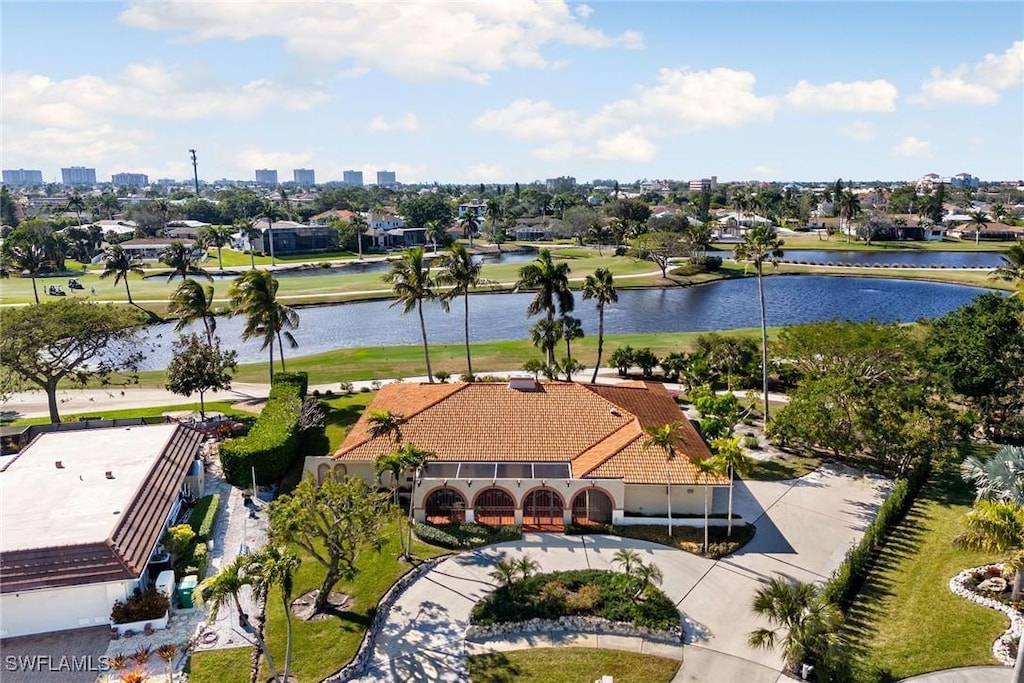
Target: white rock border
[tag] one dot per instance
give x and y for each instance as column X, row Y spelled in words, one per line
column 572, row 624
column 1002, row 647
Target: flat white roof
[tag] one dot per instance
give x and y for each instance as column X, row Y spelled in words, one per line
column 42, row 505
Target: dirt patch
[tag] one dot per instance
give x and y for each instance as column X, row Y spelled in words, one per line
column 252, row 405
column 302, row 606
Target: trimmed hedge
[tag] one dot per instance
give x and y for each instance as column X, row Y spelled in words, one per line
column 204, row 514
column 462, row 536
column 273, row 443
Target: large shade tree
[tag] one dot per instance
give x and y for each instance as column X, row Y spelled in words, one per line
column 254, row 296
column 412, row 284
column 550, row 280
column 120, row 264
column 198, row 366
column 600, row 286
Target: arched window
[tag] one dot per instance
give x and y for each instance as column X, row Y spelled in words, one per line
column 322, row 473
column 495, row 507
column 445, row 506
column 542, row 510
column 591, row 506
column 339, row 472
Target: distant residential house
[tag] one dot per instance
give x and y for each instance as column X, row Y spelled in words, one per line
column 185, row 229
column 119, row 228
column 340, row 214
column 396, row 238
column 478, row 208
column 146, row 248
column 293, row 238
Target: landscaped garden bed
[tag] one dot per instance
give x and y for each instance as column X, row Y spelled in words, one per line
column 690, row 539
column 991, row 586
column 465, row 535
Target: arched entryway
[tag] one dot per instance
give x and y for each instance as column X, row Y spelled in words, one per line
column 591, row 506
column 495, row 507
column 543, row 511
column 445, row 506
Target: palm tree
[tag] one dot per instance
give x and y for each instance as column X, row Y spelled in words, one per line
column 571, row 328
column 27, row 258
column 493, row 212
column 628, row 559
column 551, row 281
column 665, row 438
column 224, row 587
column 648, row 574
column 411, row 284
column 250, row 234
column 461, row 274
column 254, row 295
column 272, row 568
column 734, row 461
column 469, row 224
column 980, row 221
column 999, row 477
column 849, row 208
column 404, row 458
column 183, row 260
column 271, row 212
column 1012, row 267
column 76, row 204
column 809, row 622
column 760, row 244
column 359, row 224
column 435, row 233
column 997, row 526
column 545, row 335
column 167, row 652
column 600, row 286
column 218, row 236
column 386, row 423
column 706, row 467
column 192, row 301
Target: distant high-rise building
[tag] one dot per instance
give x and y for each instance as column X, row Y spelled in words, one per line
column 129, row 179
column 355, row 178
column 560, row 185
column 386, row 178
column 78, row 175
column 704, row 184
column 266, row 176
column 21, row 176
column 304, row 176
column 166, row 182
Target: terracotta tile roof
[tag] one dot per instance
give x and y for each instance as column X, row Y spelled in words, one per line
column 596, row 428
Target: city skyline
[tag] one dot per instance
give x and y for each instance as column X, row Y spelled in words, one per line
column 488, row 93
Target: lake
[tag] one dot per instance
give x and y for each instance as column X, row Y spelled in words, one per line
column 725, row 305
column 919, row 259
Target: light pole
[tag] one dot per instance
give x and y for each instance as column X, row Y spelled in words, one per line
column 195, row 170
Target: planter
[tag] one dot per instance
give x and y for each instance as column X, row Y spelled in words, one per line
column 137, row 627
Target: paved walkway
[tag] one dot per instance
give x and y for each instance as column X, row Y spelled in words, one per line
column 967, row 674
column 804, row 529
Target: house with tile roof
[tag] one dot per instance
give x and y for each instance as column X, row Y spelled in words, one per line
column 82, row 512
column 537, row 454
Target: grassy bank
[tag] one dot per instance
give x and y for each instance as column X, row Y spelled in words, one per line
column 561, row 664
column 152, row 411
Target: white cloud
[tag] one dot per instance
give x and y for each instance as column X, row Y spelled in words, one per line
column 529, row 120
column 629, row 145
column 877, row 95
column 861, row 131
column 407, row 122
column 102, row 144
column 485, row 172
column 978, row 84
column 416, row 40
column 911, row 147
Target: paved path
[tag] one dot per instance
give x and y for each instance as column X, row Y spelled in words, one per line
column 967, row 674
column 804, row 529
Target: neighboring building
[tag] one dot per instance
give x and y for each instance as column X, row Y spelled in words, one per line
column 147, row 248
column 18, row 177
column 166, row 182
column 340, row 214
column 542, row 455
column 560, row 185
column 266, row 176
column 185, row 229
column 304, row 176
column 386, row 178
column 704, row 184
column 478, row 208
column 291, row 238
column 78, row 175
column 355, row 178
column 83, row 512
column 384, row 221
column 129, row 179
column 119, row 228
column 964, row 180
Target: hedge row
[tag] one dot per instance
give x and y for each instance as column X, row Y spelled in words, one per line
column 273, row 443
column 462, row 536
column 204, row 514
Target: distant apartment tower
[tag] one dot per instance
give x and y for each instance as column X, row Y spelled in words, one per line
column 355, row 178
column 304, row 176
column 78, row 175
column 166, row 182
column 266, row 176
column 21, row 176
column 559, row 185
column 129, row 179
column 386, row 178
column 704, row 184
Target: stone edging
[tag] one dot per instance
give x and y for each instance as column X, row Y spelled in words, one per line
column 1001, row 648
column 594, row 625
column 366, row 647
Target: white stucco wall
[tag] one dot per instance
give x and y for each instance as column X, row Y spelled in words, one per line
column 652, row 499
column 59, row 609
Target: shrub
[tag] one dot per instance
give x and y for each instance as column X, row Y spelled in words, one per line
column 442, row 376
column 200, row 559
column 178, row 539
column 345, row 387
column 204, row 514
column 460, row 536
column 140, row 606
column 751, row 442
column 364, row 390
column 273, row 443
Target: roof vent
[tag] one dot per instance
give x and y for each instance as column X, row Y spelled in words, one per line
column 59, row 464
column 614, row 411
column 109, row 474
column 523, row 384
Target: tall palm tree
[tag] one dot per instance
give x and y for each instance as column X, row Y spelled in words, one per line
column 545, row 335
column 665, row 437
column 250, row 234
column 600, row 286
column 193, row 301
column 76, row 204
column 386, row 423
column 493, row 212
column 254, row 295
column 997, row 526
column 760, row 244
column 27, row 258
column 734, row 461
column 272, row 212
column 849, row 208
column 412, row 284
column 273, row 568
column 435, row 233
column 980, row 221
column 706, row 467
column 1012, row 267
column 359, row 224
column 572, row 328
column 551, row 281
column 183, row 261
column 469, row 224
column 804, row 625
column 460, row 273
column 399, row 461
column 218, row 236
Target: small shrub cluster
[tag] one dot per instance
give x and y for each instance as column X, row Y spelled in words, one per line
column 140, row 606
column 273, row 443
column 204, row 514
column 461, row 536
column 690, row 539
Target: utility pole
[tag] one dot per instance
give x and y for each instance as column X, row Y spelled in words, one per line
column 195, row 170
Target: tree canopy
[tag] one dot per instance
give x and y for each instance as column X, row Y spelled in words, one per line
column 198, row 366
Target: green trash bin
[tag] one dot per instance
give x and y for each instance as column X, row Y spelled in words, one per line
column 185, row 590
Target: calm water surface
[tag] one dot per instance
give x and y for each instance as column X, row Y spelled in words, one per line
column 921, row 259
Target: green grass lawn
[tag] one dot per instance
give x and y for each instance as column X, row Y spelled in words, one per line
column 793, row 466
column 153, row 411
column 342, row 413
column 565, row 664
column 230, row 665
column 905, row 621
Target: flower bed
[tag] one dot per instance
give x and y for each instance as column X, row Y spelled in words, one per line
column 574, row 625
column 964, row 584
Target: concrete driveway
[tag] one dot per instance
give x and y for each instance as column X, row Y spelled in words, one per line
column 804, row 529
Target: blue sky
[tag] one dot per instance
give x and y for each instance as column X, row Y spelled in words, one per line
column 515, row 91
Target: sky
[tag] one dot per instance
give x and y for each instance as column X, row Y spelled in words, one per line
column 509, row 90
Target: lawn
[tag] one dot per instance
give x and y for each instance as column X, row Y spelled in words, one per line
column 153, row 411
column 905, row 621
column 561, row 664
column 342, row 413
column 791, row 466
column 230, row 665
